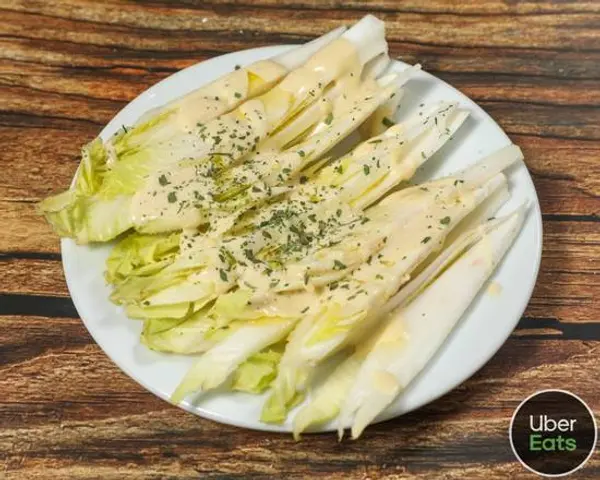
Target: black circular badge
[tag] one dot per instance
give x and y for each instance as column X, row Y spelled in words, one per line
column 553, row 433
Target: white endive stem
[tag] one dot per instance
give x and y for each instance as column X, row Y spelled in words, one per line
column 350, row 318
column 369, row 35
column 481, row 214
column 215, row 366
column 290, row 60
column 296, row 56
column 415, row 332
column 376, row 66
column 467, row 233
column 498, row 161
column 326, row 401
column 422, row 139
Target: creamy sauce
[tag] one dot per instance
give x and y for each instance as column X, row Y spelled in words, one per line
column 384, row 382
column 227, row 92
column 187, row 198
column 252, row 122
column 179, row 139
column 235, row 134
column 173, row 193
column 298, row 125
column 382, row 118
column 222, row 95
column 395, row 330
column 494, row 289
column 308, row 82
column 376, row 280
column 334, row 255
column 331, row 62
column 295, row 275
column 295, row 304
column 191, row 188
column 372, row 283
column 268, row 71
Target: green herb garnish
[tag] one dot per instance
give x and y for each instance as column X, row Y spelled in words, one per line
column 162, row 180
column 387, row 122
column 337, row 265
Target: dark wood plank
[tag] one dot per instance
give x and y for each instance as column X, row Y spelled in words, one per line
column 489, row 7
column 33, row 276
column 536, row 30
column 28, row 231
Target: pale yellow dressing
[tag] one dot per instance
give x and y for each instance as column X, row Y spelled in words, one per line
column 171, row 198
column 494, row 289
column 384, row 382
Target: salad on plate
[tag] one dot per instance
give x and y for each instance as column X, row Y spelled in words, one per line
column 268, row 222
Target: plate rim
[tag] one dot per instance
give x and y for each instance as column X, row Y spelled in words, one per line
column 388, row 414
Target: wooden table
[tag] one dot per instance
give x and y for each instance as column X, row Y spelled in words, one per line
column 66, row 67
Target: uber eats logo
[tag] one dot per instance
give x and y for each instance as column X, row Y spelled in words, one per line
column 544, row 425
column 553, row 433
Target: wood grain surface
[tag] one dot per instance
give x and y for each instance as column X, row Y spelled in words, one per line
column 66, row 67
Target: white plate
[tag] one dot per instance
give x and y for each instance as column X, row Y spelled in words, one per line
column 481, row 332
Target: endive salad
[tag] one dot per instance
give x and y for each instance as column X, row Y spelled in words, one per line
column 268, row 221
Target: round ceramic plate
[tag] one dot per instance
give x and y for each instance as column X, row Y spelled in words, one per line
column 480, row 333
